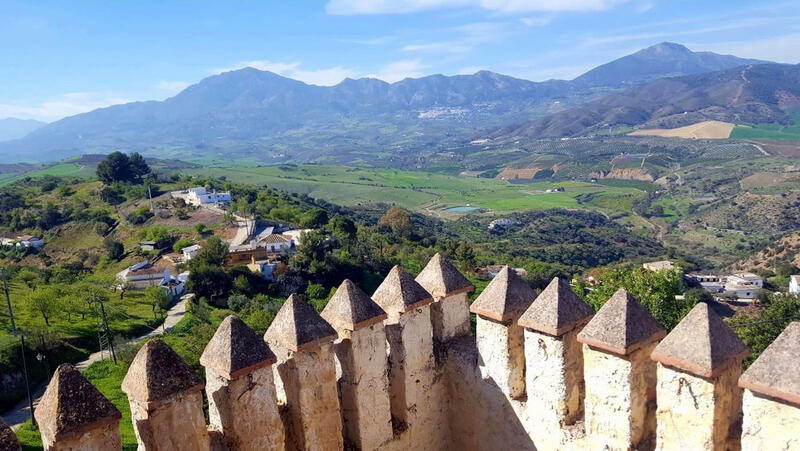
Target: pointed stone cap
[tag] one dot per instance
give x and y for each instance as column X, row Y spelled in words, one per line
column 8, row 440
column 298, row 327
column 399, row 292
column 235, row 349
column 701, row 344
column 776, row 372
column 557, row 310
column 621, row 326
column 71, row 405
column 157, row 372
column 505, row 298
column 352, row 309
column 440, row 278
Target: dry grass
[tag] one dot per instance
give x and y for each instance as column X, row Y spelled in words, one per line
column 700, row 130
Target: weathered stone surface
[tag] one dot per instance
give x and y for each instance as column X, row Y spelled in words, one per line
column 364, row 387
column 696, row 412
column 450, row 317
column 176, row 424
column 351, row 309
column 8, row 440
column 245, row 409
column 554, row 382
column 620, row 398
column 157, row 373
column 769, row 423
column 440, row 278
column 73, row 411
column 297, row 326
column 501, row 355
column 776, row 372
column 557, row 310
column 399, row 293
column 306, row 383
column 411, row 366
column 621, row 326
column 235, row 349
column 505, row 298
column 701, row 344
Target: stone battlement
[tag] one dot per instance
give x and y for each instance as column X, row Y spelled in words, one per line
column 400, row 370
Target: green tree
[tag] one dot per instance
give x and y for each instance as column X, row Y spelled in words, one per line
column 44, row 302
column 397, row 220
column 238, row 302
column 316, row 291
column 655, row 290
column 342, row 228
column 118, row 167
column 313, row 253
column 200, row 228
column 695, row 295
column 212, row 253
column 158, row 299
column 760, row 330
column 28, row 277
column 210, row 282
column 314, row 218
column 114, row 248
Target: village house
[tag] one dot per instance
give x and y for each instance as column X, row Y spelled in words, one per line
column 276, row 243
column 499, row 223
column 295, row 235
column 190, row 251
column 244, row 254
column 490, row 271
column 264, row 268
column 30, row 241
column 745, row 279
column 794, row 284
column 199, row 196
column 659, row 265
column 147, row 246
column 144, row 274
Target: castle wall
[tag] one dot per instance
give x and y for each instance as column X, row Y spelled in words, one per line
column 696, row 412
column 769, row 423
column 103, row 438
column 502, row 355
column 175, row 424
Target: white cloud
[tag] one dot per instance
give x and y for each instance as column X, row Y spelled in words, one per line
column 323, row 77
column 536, row 21
column 355, row 7
column 172, row 87
column 468, row 37
column 781, row 49
column 399, row 70
column 61, row 106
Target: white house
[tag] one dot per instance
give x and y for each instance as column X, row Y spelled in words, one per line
column 276, row 243
column 29, row 241
column 794, row 284
column 199, row 196
column 745, row 279
column 190, row 251
column 501, row 223
column 264, row 268
column 294, row 235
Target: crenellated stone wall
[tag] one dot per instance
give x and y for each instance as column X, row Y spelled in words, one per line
column 383, row 372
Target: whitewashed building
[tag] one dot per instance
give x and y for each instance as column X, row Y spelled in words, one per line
column 190, row 251
column 794, row 284
column 199, row 196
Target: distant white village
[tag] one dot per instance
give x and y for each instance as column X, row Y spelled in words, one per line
column 744, row 285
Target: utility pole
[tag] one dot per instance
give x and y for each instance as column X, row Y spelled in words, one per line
column 150, row 196
column 8, row 301
column 22, row 342
column 110, row 337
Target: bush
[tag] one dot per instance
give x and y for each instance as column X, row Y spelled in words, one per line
column 238, row 302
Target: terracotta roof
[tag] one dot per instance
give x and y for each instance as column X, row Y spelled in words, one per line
column 440, row 278
column 235, row 349
column 557, row 310
column 400, row 292
column 8, row 440
column 776, row 372
column 621, row 326
column 275, row 239
column 351, row 309
column 297, row 326
column 157, row 372
column 71, row 405
column 505, row 298
column 701, row 344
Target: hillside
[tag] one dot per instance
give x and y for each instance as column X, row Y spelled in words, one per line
column 251, row 113
column 756, row 94
column 12, row 128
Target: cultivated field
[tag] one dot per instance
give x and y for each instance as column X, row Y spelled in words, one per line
column 425, row 191
column 700, row 130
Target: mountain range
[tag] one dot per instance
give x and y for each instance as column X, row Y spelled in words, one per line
column 13, row 128
column 259, row 114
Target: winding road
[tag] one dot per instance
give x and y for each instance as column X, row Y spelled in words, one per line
column 21, row 412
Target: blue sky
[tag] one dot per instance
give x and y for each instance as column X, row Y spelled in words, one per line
column 60, row 58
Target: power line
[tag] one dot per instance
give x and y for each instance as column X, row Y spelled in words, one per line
column 766, row 321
